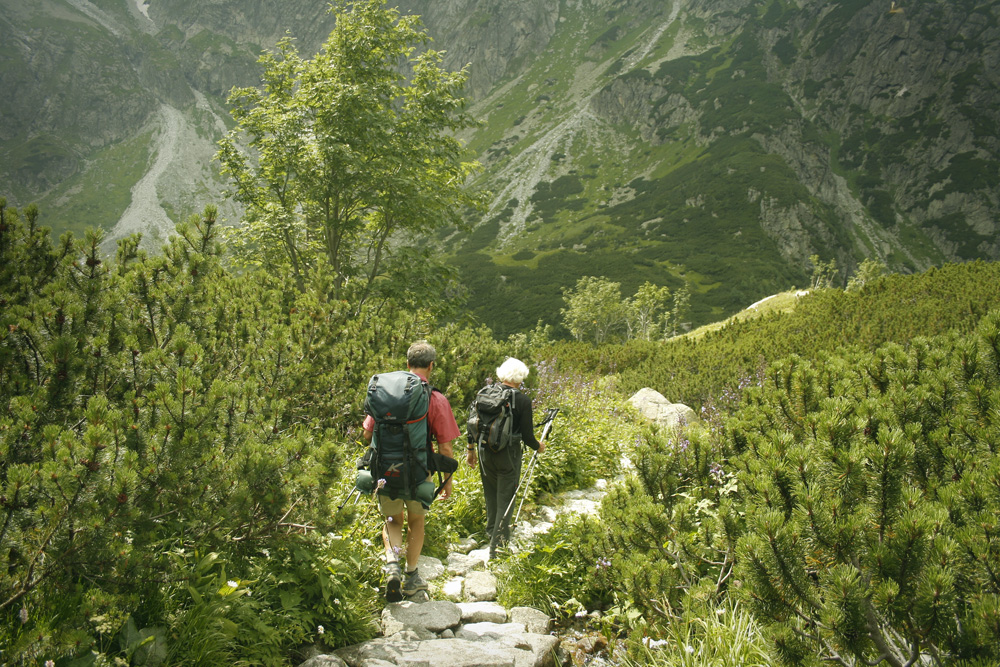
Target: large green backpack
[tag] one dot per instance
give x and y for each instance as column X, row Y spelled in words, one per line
column 400, row 449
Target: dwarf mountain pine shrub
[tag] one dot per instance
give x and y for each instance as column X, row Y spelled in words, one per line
column 148, row 405
column 851, row 501
column 889, row 308
column 162, row 418
column 667, row 534
column 870, row 484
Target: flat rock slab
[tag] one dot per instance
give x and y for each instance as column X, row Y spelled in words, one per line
column 478, row 612
column 434, row 653
column 534, row 620
column 452, row 589
column 480, row 587
column 462, row 564
column 533, row 650
column 487, row 629
column 433, row 616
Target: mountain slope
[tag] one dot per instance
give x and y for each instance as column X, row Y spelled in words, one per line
column 724, row 143
column 114, row 107
column 716, row 143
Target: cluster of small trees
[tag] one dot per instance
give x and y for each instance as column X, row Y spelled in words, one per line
column 824, row 275
column 596, row 312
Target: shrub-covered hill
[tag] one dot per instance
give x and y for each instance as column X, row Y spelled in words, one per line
column 849, row 502
column 893, row 308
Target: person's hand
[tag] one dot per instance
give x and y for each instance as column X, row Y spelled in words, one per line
column 471, row 458
column 446, row 490
column 541, row 446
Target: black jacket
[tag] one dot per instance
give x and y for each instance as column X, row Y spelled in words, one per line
column 523, row 420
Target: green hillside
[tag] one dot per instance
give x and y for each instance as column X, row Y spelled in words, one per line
column 650, row 145
column 893, row 309
column 716, row 145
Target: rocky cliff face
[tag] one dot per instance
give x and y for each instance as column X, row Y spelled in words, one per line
column 717, row 143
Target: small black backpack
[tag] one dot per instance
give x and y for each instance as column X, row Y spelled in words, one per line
column 491, row 418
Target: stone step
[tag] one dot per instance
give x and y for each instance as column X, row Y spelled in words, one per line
column 440, row 632
column 467, row 628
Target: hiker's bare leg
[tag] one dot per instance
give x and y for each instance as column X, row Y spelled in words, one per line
column 414, row 539
column 392, row 536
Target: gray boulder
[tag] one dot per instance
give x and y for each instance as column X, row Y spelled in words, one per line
column 477, row 612
column 430, row 653
column 461, row 564
column 534, row 620
column 652, row 405
column 480, row 587
column 487, row 629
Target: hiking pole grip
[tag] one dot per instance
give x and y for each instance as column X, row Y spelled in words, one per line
column 550, row 416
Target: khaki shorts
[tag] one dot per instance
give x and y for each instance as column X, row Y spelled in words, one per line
column 390, row 507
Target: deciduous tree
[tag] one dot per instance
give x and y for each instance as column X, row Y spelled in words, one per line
column 594, row 309
column 345, row 154
column 647, row 310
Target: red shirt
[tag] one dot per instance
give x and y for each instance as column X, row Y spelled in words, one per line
column 440, row 418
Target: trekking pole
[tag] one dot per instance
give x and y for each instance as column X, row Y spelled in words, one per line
column 534, row 460
column 550, row 415
column 348, row 499
column 363, row 463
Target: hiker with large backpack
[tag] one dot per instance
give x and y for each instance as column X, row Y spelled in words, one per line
column 404, row 411
column 500, row 421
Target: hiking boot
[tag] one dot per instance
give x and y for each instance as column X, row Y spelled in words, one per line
column 393, row 580
column 413, row 584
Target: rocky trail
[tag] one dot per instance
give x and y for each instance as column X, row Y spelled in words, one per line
column 467, row 627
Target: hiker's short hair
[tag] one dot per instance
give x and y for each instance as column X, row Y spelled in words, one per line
column 420, row 355
column 512, row 370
